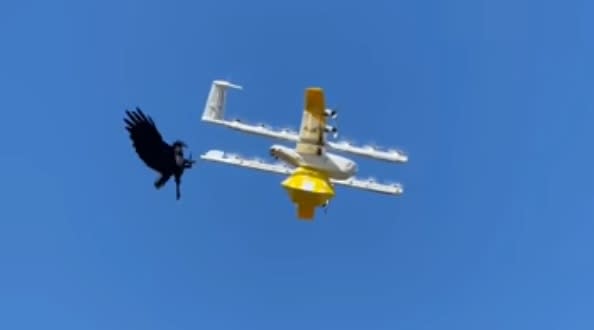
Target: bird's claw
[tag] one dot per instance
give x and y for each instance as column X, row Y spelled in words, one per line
column 188, row 163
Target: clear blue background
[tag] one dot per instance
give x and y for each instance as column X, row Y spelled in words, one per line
column 493, row 101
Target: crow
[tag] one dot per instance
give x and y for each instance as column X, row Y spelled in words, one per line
column 168, row 160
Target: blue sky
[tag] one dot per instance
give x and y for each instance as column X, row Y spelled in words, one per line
column 492, row 100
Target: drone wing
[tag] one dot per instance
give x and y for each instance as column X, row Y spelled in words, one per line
column 371, row 185
column 215, row 109
column 231, row 159
column 146, row 140
column 281, row 169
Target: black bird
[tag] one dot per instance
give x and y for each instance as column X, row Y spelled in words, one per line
column 157, row 154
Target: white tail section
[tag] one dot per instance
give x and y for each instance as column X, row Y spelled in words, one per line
column 215, row 104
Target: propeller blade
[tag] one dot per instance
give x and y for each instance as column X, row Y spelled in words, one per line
column 336, row 125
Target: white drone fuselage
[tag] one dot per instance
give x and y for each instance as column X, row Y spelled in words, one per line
column 335, row 166
column 339, row 170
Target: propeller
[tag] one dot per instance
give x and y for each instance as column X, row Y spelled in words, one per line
column 336, row 125
column 335, row 117
column 332, row 113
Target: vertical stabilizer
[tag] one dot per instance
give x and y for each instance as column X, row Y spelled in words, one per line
column 215, row 104
column 312, row 129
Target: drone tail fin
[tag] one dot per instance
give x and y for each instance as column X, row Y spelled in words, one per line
column 215, row 103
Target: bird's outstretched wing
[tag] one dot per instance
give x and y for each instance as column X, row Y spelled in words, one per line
column 147, row 141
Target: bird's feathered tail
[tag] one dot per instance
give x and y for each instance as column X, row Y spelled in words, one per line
column 161, row 181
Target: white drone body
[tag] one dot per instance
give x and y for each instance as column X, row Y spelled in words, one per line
column 313, row 170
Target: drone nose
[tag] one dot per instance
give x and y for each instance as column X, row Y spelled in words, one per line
column 353, row 167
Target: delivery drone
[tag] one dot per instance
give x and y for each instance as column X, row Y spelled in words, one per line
column 311, row 170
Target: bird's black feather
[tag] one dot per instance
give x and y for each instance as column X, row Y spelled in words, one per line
column 154, row 151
